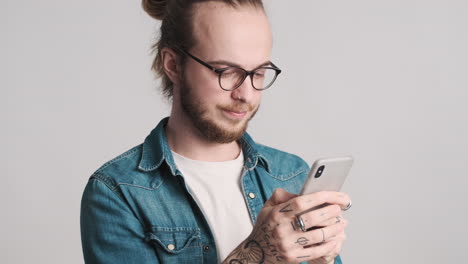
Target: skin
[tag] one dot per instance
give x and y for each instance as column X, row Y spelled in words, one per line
column 218, row 38
column 243, row 36
column 277, row 239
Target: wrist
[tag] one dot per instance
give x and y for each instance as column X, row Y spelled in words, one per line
column 234, row 255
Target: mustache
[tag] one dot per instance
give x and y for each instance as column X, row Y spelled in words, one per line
column 238, row 107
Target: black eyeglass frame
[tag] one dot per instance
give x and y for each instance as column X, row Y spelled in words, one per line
column 220, row 71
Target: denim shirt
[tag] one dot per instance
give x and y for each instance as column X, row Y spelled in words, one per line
column 136, row 208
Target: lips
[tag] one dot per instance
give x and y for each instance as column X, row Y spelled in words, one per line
column 240, row 109
column 236, row 111
column 236, row 114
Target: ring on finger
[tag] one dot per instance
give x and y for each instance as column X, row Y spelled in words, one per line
column 323, row 235
column 300, row 223
column 348, row 206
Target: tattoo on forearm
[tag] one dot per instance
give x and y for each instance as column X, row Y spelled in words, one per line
column 302, row 241
column 286, row 209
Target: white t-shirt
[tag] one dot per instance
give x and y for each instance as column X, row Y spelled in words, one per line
column 216, row 187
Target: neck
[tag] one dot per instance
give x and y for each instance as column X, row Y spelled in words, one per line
column 185, row 139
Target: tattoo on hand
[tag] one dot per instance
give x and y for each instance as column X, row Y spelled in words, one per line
column 302, row 241
column 237, row 261
column 286, row 209
column 292, row 224
column 270, row 246
column 251, row 252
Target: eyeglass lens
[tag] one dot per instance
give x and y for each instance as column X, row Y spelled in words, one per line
column 233, row 78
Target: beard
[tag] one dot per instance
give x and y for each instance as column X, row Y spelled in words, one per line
column 211, row 130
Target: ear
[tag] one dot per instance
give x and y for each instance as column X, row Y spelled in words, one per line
column 171, row 65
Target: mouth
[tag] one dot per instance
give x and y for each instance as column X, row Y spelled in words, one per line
column 236, row 114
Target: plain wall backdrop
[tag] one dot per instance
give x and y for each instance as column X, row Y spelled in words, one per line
column 385, row 81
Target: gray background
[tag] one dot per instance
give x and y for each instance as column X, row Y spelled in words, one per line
column 385, row 81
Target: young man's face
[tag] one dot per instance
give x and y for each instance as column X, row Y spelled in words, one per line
column 239, row 36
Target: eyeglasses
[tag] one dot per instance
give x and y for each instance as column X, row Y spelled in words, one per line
column 232, row 77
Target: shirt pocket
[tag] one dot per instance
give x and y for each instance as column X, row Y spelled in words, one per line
column 176, row 245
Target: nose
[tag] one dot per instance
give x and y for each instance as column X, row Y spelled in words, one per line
column 245, row 91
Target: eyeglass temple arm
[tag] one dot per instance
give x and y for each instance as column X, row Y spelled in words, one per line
column 198, row 60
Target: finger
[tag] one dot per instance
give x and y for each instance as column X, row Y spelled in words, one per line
column 334, row 220
column 314, row 252
column 340, row 238
column 318, row 217
column 318, row 198
column 306, row 239
column 280, row 196
column 289, row 232
column 299, row 204
column 339, row 244
column 329, row 222
column 324, row 234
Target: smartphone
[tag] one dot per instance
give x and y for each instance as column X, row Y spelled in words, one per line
column 327, row 174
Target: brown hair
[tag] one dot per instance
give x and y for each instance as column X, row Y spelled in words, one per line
column 176, row 30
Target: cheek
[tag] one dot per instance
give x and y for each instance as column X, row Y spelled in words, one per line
column 204, row 84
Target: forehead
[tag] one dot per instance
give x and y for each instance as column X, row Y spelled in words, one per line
column 240, row 34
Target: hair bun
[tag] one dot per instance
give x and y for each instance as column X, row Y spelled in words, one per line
column 155, row 8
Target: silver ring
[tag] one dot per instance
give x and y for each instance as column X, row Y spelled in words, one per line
column 323, row 235
column 348, row 206
column 300, row 223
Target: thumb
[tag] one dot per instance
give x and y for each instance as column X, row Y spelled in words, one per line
column 280, row 196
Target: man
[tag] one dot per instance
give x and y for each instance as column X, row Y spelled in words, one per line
column 199, row 189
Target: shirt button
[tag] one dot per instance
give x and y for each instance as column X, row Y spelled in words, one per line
column 206, row 248
column 170, row 247
column 251, row 195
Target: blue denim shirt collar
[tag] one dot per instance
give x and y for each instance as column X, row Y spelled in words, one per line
column 156, row 150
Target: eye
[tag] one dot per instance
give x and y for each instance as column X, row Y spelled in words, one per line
column 230, row 73
column 260, row 73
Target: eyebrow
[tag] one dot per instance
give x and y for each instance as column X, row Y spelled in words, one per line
column 232, row 64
